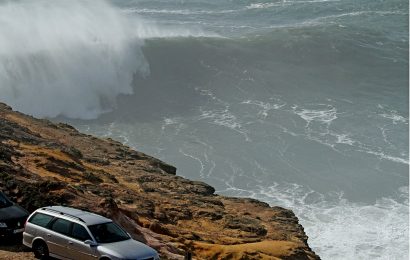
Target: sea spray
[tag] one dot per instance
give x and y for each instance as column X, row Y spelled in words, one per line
column 364, row 231
column 69, row 58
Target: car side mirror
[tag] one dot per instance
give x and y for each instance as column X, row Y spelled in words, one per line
column 90, row 242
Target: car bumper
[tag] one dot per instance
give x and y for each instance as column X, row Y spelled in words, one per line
column 10, row 232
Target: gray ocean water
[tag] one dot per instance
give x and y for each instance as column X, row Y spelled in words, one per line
column 301, row 104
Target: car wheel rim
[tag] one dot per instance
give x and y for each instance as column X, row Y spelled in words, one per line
column 41, row 250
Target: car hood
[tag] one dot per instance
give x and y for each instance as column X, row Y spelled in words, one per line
column 12, row 212
column 128, row 249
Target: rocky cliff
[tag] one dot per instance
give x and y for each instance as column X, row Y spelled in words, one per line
column 42, row 163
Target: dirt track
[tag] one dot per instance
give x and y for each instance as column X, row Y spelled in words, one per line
column 15, row 252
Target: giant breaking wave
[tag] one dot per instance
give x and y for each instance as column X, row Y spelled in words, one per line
column 70, row 58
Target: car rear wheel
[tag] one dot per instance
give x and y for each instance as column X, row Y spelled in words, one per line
column 40, row 250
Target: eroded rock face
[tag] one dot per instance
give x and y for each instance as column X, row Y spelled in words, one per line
column 42, row 164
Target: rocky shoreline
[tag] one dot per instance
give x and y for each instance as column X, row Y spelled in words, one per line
column 42, row 163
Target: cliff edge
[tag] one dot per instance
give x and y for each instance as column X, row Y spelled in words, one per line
column 42, row 163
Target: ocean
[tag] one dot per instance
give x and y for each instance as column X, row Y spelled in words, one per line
column 299, row 103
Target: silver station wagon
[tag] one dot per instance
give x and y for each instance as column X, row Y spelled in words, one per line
column 68, row 233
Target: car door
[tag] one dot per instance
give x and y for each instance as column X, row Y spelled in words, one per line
column 80, row 250
column 57, row 238
column 36, row 226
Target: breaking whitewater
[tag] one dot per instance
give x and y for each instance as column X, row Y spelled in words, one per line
column 302, row 104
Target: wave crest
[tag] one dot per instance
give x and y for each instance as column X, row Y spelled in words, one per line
column 69, row 58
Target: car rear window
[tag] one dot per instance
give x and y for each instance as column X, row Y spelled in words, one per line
column 40, row 219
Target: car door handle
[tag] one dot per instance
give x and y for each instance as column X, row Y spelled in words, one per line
column 48, row 235
column 70, row 243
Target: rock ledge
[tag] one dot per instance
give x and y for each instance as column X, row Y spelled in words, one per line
column 42, row 163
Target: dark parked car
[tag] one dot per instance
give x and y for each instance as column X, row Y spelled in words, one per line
column 12, row 217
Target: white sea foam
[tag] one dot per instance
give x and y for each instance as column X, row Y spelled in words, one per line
column 384, row 156
column 344, row 139
column 332, row 19
column 177, row 11
column 263, row 5
column 324, row 115
column 171, row 121
column 285, row 2
column 177, row 124
column 318, row 118
column 209, row 93
column 221, row 116
column 309, row 1
column 200, row 152
column 340, row 229
column 224, row 117
column 395, row 117
column 265, row 106
column 148, row 29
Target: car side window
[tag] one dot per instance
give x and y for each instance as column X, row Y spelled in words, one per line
column 79, row 232
column 61, row 226
column 40, row 219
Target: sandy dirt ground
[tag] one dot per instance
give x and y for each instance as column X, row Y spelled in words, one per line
column 15, row 252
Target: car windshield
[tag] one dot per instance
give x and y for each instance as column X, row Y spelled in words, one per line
column 108, row 233
column 4, row 202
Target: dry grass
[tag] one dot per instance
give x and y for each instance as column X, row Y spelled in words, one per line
column 260, row 250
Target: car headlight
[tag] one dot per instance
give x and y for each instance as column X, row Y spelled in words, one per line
column 3, row 225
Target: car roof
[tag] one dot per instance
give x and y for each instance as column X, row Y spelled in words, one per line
column 80, row 215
